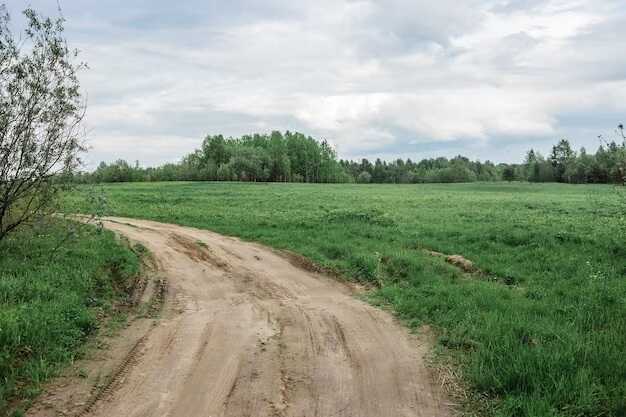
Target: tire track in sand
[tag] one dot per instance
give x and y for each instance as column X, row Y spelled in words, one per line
column 244, row 331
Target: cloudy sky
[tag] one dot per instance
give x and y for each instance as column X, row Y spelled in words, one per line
column 390, row 78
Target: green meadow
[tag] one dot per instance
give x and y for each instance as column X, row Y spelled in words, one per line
column 538, row 330
column 58, row 282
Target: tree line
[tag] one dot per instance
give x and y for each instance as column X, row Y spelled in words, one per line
column 294, row 157
column 564, row 164
column 290, row 157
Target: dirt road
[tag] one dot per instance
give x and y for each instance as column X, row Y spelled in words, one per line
column 246, row 331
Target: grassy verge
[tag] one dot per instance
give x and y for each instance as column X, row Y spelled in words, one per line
column 52, row 300
column 539, row 333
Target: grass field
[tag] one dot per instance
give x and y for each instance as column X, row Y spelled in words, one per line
column 52, row 297
column 540, row 332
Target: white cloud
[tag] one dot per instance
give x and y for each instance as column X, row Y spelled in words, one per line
column 374, row 77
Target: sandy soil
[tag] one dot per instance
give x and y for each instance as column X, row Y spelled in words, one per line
column 247, row 331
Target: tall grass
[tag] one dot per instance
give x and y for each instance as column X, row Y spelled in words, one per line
column 541, row 332
column 51, row 299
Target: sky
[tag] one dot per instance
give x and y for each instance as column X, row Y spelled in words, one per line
column 488, row 79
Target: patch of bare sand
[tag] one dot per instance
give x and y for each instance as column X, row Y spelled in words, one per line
column 246, row 331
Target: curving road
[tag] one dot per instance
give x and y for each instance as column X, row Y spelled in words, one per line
column 247, row 331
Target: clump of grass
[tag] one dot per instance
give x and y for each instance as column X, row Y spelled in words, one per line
column 364, row 267
column 140, row 249
column 368, row 216
column 50, row 305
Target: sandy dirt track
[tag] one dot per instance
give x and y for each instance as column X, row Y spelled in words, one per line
column 245, row 331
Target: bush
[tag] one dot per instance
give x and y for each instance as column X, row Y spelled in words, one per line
column 225, row 173
column 454, row 173
column 364, row 178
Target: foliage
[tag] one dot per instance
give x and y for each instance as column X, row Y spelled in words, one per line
column 51, row 298
column 364, row 178
column 608, row 165
column 290, row 157
column 539, row 333
column 508, row 173
column 40, row 114
column 562, row 158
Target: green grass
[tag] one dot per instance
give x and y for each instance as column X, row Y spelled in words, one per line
column 52, row 300
column 541, row 333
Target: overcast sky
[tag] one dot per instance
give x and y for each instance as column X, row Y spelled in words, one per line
column 394, row 78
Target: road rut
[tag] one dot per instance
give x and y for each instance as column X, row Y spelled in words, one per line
column 246, row 331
